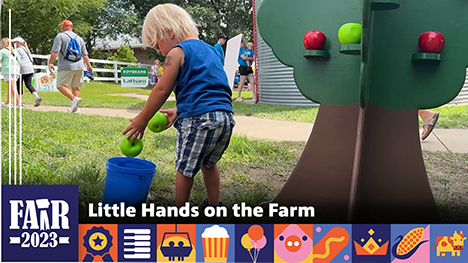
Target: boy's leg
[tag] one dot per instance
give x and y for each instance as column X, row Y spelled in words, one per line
column 212, row 184
column 183, row 185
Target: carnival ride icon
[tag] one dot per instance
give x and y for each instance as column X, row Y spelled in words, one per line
column 293, row 244
column 406, row 246
column 176, row 244
column 98, row 242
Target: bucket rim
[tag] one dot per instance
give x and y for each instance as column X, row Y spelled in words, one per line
column 147, row 165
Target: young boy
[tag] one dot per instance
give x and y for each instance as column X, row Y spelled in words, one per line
column 203, row 117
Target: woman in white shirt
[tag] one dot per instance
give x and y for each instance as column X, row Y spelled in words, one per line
column 27, row 69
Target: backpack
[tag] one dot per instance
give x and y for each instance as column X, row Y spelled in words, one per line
column 73, row 50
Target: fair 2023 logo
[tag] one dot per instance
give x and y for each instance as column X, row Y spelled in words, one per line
column 40, row 223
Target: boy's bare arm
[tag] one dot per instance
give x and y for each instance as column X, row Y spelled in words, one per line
column 158, row 95
column 164, row 87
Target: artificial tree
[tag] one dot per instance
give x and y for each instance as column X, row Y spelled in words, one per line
column 363, row 160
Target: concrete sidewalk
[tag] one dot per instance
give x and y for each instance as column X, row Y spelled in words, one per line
column 454, row 140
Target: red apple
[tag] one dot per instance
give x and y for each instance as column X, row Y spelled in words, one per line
column 431, row 42
column 314, row 40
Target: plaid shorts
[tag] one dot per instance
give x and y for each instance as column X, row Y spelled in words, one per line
column 202, row 140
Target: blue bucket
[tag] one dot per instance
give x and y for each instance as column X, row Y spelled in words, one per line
column 128, row 180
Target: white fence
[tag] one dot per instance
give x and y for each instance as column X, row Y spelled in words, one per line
column 99, row 67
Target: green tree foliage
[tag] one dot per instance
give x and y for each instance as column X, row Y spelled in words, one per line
column 37, row 21
column 112, row 21
column 212, row 16
column 124, row 54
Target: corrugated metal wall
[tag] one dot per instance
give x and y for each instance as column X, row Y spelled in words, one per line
column 276, row 84
column 462, row 97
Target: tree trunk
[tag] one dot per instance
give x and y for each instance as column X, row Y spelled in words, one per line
column 381, row 153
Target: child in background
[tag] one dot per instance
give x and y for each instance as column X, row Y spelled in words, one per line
column 155, row 72
column 10, row 70
column 204, row 116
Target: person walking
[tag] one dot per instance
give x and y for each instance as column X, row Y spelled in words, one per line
column 70, row 63
column 26, row 70
column 204, row 117
column 245, row 60
column 10, row 70
column 219, row 46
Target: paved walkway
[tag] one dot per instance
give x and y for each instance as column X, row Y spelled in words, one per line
column 455, row 140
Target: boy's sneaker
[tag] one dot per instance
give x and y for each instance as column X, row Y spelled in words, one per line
column 74, row 104
column 38, row 102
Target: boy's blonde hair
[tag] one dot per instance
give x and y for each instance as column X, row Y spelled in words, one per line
column 163, row 19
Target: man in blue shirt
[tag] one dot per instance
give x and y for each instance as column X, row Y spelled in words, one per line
column 219, row 46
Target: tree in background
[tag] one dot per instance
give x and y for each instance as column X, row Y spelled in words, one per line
column 212, row 16
column 113, row 21
column 123, row 54
column 37, row 21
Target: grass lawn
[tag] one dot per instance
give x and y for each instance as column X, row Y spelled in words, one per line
column 60, row 148
column 94, row 94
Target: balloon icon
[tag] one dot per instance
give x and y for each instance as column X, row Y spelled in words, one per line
column 259, row 244
column 255, row 232
column 246, row 242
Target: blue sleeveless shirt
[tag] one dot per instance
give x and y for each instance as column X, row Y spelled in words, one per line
column 202, row 84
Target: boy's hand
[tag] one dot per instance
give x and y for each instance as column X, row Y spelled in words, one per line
column 171, row 115
column 136, row 129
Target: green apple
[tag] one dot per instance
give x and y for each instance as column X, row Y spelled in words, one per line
column 158, row 123
column 131, row 149
column 350, row 33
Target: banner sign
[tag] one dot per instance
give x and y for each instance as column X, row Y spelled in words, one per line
column 134, row 77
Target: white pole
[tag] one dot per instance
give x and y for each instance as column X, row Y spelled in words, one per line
column 20, row 87
column 9, row 99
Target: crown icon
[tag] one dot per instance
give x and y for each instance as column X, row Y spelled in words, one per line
column 371, row 247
